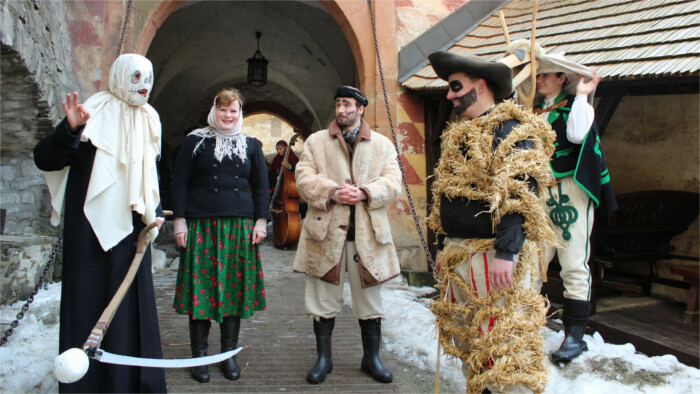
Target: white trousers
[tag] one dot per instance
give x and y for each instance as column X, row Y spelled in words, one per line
column 323, row 299
column 476, row 274
column 570, row 212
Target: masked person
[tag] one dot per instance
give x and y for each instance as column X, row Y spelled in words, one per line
column 220, row 204
column 582, row 183
column 100, row 164
column 348, row 174
column 488, row 218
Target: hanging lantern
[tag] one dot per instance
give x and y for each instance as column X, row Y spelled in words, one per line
column 257, row 67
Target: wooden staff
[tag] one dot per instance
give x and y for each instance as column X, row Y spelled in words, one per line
column 533, row 59
column 95, row 338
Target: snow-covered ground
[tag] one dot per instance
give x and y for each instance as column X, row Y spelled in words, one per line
column 26, row 361
column 409, row 330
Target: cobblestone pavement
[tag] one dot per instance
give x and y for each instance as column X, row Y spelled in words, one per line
column 280, row 344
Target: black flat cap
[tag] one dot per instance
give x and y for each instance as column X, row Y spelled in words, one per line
column 446, row 63
column 349, row 91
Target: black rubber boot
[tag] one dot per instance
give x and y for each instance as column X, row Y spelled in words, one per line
column 230, row 328
column 371, row 342
column 324, row 365
column 574, row 318
column 199, row 335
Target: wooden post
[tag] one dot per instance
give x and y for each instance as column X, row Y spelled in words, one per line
column 504, row 26
column 533, row 59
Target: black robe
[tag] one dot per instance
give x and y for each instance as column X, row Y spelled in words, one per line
column 91, row 276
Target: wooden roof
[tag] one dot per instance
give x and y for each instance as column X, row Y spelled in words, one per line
column 623, row 40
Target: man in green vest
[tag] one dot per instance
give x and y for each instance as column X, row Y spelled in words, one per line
column 582, row 184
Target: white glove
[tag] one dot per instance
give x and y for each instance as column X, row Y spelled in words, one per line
column 179, row 225
column 259, row 231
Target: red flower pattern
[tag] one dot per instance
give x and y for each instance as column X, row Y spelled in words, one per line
column 229, row 266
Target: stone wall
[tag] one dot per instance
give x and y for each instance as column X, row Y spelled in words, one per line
column 36, row 72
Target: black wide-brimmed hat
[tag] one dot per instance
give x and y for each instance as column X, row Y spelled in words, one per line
column 446, row 63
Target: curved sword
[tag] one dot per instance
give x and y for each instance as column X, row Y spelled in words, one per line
column 104, row 356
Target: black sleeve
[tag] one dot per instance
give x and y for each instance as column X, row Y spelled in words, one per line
column 182, row 177
column 259, row 181
column 58, row 149
column 510, row 234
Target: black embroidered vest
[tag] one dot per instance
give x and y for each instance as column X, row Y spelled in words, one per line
column 567, row 153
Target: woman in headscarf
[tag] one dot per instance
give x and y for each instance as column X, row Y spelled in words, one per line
column 101, row 161
column 220, row 202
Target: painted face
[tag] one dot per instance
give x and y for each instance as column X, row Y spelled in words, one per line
column 549, row 85
column 347, row 113
column 462, row 93
column 131, row 79
column 227, row 115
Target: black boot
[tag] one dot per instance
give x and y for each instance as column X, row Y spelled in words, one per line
column 230, row 328
column 574, row 318
column 324, row 365
column 371, row 341
column 199, row 334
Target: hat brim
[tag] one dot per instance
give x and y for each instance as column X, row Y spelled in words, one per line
column 556, row 64
column 447, row 63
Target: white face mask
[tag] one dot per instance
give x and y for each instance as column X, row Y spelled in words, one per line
column 131, row 79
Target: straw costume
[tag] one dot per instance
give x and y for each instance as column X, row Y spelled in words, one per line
column 495, row 161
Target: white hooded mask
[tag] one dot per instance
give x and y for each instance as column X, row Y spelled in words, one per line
column 127, row 134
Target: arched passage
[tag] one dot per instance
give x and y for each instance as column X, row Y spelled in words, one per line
column 201, row 47
column 280, row 111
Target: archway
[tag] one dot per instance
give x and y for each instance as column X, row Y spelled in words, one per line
column 202, row 47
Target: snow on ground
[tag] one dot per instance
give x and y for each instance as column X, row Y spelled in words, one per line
column 408, row 330
column 26, row 360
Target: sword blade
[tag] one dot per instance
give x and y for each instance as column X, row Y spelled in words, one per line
column 110, row 358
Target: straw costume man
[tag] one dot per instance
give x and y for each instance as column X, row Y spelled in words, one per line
column 564, row 90
column 488, row 218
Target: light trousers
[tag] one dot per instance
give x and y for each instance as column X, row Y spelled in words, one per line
column 475, row 272
column 323, row 299
column 570, row 212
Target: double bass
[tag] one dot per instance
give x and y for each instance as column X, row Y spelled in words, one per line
column 284, row 206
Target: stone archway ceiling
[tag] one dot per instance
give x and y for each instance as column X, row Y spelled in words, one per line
column 203, row 46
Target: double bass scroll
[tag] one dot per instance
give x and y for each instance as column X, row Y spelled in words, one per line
column 284, row 206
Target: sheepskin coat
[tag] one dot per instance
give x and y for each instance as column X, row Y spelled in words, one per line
column 325, row 165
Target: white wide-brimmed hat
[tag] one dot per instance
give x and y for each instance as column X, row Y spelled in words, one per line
column 552, row 63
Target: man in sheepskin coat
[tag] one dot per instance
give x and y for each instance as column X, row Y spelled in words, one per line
column 348, row 174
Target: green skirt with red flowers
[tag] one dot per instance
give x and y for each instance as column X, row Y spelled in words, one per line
column 220, row 273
